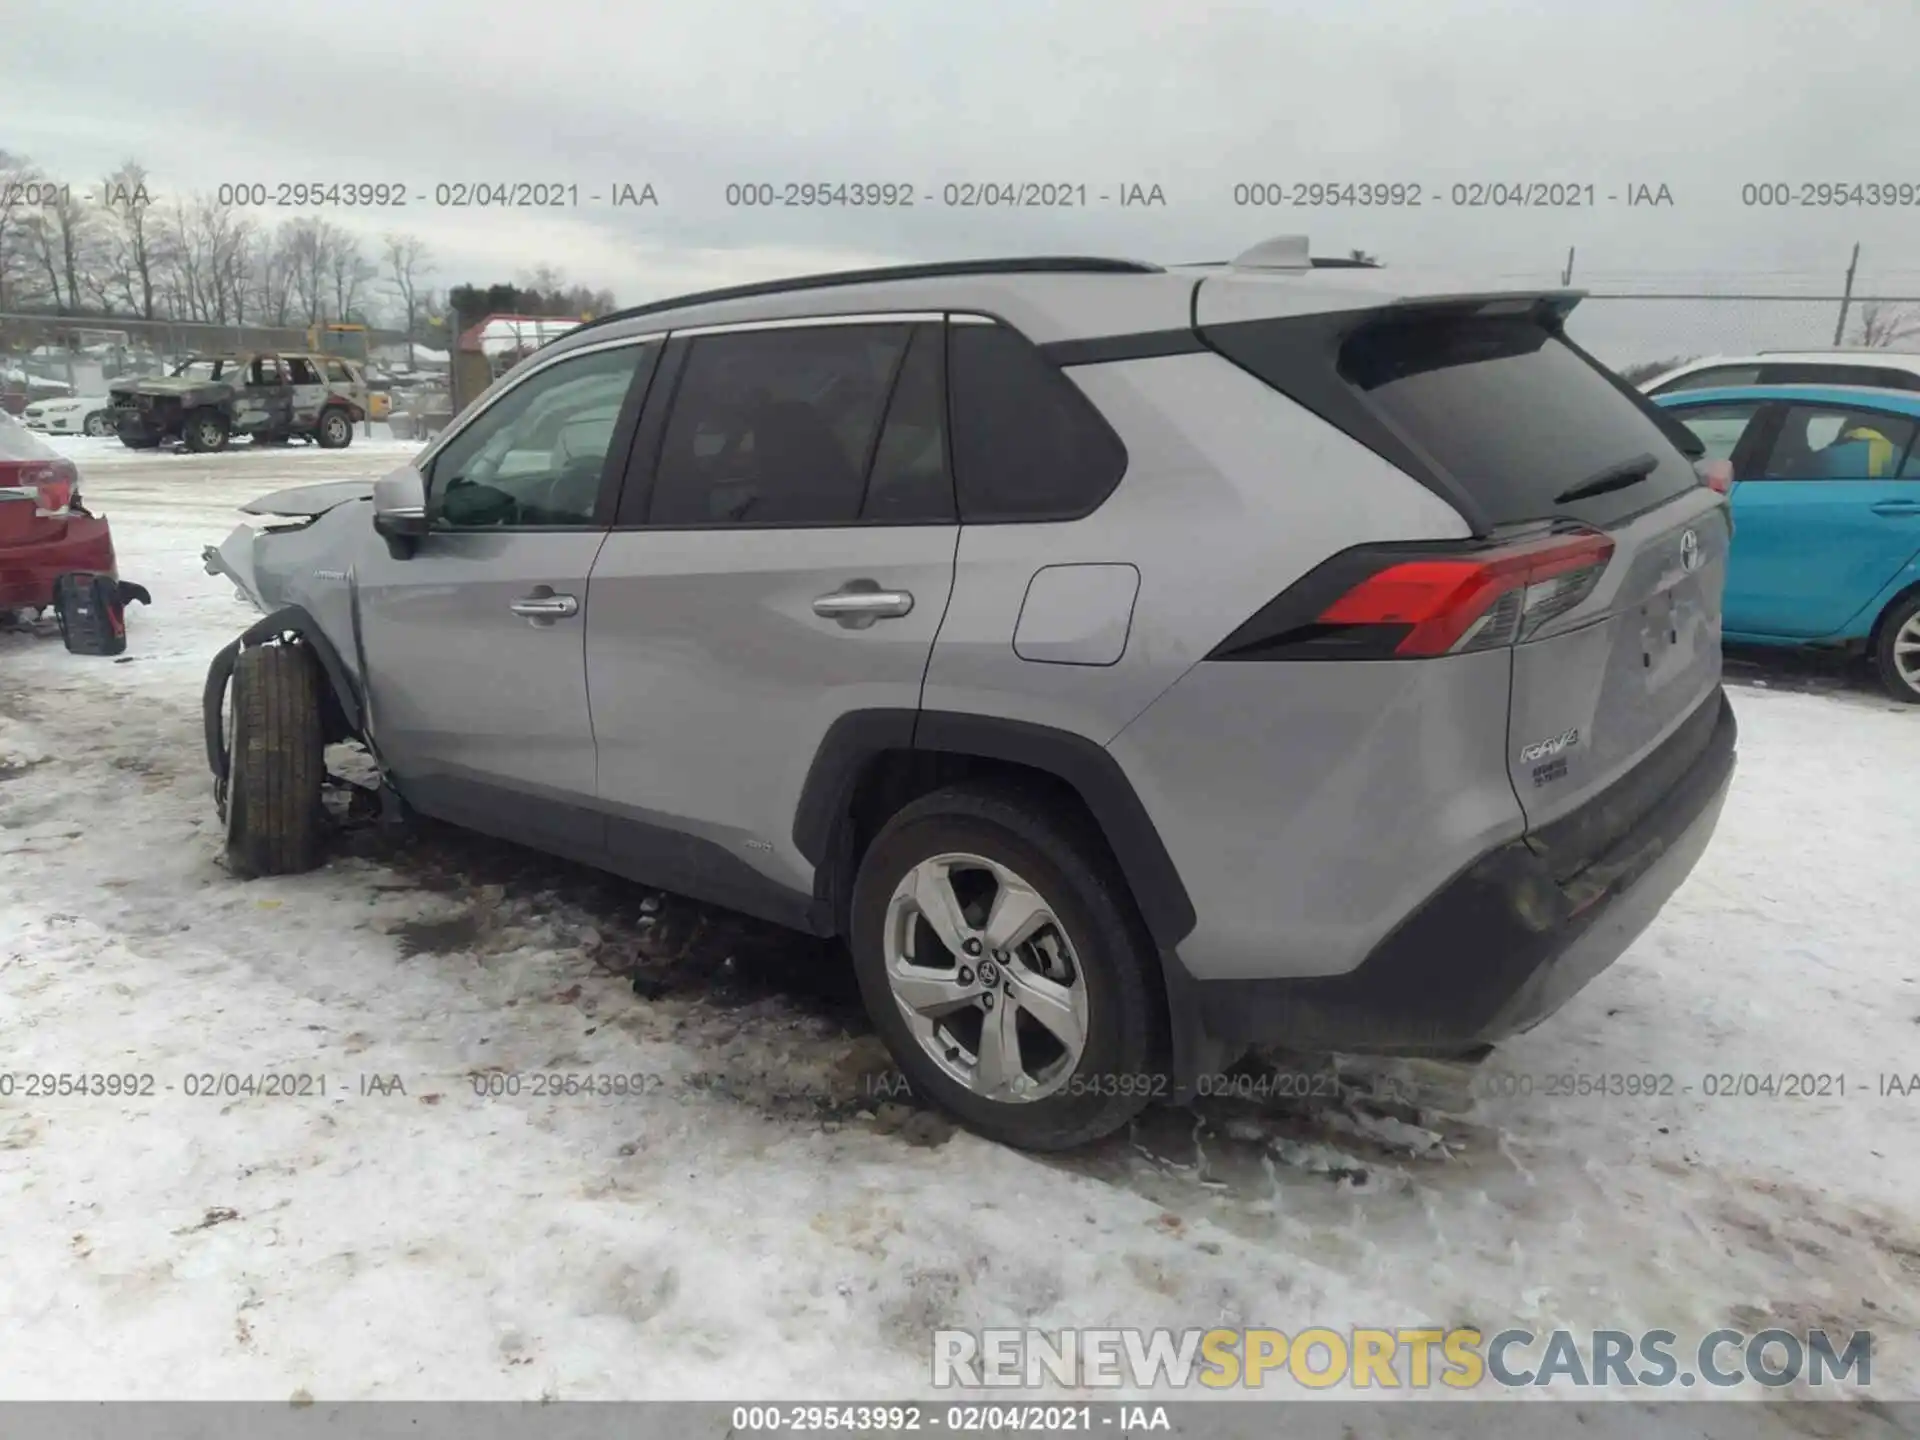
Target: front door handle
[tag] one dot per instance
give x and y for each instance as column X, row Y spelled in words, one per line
column 859, row 603
column 1896, row 507
column 544, row 607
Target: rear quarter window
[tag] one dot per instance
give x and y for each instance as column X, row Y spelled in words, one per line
column 1027, row 443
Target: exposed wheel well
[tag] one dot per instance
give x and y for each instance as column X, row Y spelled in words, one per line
column 1880, row 620
column 892, row 779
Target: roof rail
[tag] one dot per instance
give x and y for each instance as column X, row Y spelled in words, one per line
column 1036, row 264
column 1317, row 262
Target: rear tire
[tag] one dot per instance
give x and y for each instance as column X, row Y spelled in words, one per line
column 204, row 431
column 1896, row 650
column 1088, row 969
column 334, row 430
column 276, row 762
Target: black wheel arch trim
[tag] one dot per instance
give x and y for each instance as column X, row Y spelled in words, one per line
column 289, row 619
column 857, row 737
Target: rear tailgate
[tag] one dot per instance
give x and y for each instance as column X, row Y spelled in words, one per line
column 1486, row 402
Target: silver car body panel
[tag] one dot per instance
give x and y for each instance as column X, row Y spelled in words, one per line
column 1308, row 808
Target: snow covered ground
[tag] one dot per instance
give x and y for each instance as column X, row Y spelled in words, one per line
column 756, row 1222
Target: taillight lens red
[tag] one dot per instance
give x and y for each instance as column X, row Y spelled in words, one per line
column 1451, row 604
column 1716, row 475
column 52, row 480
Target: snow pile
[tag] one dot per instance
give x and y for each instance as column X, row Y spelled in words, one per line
column 753, row 1215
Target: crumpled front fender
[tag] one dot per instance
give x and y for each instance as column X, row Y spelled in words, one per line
column 233, row 557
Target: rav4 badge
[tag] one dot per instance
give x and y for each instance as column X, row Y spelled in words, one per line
column 1540, row 749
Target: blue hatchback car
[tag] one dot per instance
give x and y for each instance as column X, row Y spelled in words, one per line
column 1826, row 516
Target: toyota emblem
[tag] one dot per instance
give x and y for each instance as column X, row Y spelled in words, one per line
column 1689, row 551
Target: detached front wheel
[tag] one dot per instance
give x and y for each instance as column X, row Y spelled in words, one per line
column 1005, row 969
column 275, row 762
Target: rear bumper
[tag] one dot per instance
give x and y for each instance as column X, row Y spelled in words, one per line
column 1509, row 940
column 27, row 572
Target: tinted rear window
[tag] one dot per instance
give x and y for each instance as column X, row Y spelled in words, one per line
column 1512, row 415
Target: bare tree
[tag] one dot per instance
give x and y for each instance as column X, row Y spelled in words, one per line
column 17, row 179
column 305, row 246
column 1884, row 326
column 130, row 249
column 60, row 235
column 349, row 272
column 407, row 262
column 270, row 276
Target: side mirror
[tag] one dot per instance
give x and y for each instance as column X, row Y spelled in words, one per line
column 400, row 510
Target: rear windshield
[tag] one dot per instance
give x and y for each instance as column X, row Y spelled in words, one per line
column 1513, row 415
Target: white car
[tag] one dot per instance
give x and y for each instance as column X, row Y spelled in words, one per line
column 75, row 415
column 1879, row 369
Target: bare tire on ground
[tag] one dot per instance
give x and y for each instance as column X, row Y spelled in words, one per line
column 204, row 431
column 1006, row 969
column 276, row 762
column 1896, row 650
column 99, row 425
column 335, row 430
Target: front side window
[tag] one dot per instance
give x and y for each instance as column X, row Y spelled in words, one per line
column 1826, row 442
column 535, row 456
column 776, row 427
column 204, row 369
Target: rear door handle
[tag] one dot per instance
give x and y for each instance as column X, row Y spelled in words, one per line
column 1896, row 507
column 859, row 603
column 543, row 604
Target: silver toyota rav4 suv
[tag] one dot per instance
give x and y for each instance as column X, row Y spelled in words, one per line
column 1132, row 664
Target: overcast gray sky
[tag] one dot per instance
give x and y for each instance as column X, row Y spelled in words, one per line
column 1698, row 95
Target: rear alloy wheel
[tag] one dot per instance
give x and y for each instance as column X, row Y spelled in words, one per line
column 99, row 425
column 205, row 431
column 276, row 762
column 1005, row 969
column 1896, row 651
column 335, row 430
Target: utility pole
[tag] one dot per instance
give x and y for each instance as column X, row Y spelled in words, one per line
column 1846, row 295
column 1566, row 275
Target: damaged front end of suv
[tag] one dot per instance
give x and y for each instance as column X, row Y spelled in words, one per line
column 291, row 682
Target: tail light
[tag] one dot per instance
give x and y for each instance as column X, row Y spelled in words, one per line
column 1390, row 603
column 1716, row 475
column 52, row 481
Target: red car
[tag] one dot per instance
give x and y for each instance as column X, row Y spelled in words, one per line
column 44, row 532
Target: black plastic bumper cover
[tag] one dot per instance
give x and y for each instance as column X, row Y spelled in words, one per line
column 1509, row 940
